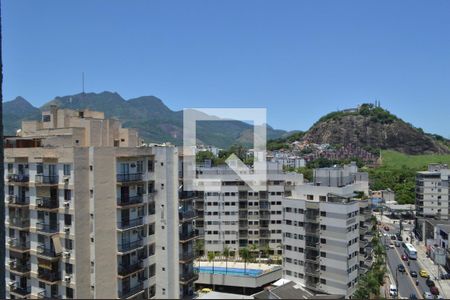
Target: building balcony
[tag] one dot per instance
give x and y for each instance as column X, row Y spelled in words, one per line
column 312, row 259
column 128, row 293
column 186, row 216
column 312, row 270
column 127, row 224
column 46, row 203
column 46, row 228
column 264, row 216
column 312, row 245
column 311, row 218
column 46, row 179
column 128, row 269
column 129, row 246
column 18, row 267
column 49, row 276
column 47, row 253
column 18, row 178
column 14, row 200
column 20, row 291
column 130, row 200
column 190, row 276
column 312, row 282
column 19, row 222
column 131, row 177
column 187, row 256
column 187, row 236
column 44, row 295
column 18, row 246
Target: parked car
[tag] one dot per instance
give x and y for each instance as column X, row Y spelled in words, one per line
column 386, row 228
column 399, row 237
column 430, row 283
column 393, row 237
column 428, row 295
column 445, row 276
column 434, row 290
column 397, row 244
column 391, row 245
column 393, row 290
column 401, row 268
column 424, row 273
column 413, row 274
column 404, row 257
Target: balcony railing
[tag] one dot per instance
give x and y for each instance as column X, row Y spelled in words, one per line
column 18, row 245
column 21, row 291
column 46, row 179
column 188, row 276
column 128, row 269
column 126, row 293
column 186, row 215
column 47, row 202
column 187, row 235
column 130, row 200
column 13, row 199
column 19, row 267
column 49, row 276
column 18, row 178
column 129, row 177
column 47, row 228
column 21, row 222
column 125, row 224
column 128, row 246
column 187, row 255
column 47, row 252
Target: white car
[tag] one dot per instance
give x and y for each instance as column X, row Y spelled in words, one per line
column 393, row 290
column 428, row 295
column 391, row 245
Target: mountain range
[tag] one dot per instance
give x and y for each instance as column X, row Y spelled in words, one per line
column 148, row 114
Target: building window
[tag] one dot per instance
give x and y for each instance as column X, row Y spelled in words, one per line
column 46, row 118
column 67, row 195
column 66, row 170
column 68, row 244
column 69, row 268
column 39, row 169
column 67, row 220
column 69, row 292
column 323, row 281
column 309, row 197
column 10, row 168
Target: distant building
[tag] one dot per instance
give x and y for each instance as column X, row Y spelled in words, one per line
column 326, row 234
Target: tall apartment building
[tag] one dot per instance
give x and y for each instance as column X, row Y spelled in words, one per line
column 235, row 216
column 90, row 214
column 432, row 195
column 432, row 192
column 326, row 232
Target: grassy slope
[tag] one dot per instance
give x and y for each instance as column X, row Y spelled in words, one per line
column 396, row 160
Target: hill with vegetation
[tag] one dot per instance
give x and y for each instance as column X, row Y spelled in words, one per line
column 148, row 114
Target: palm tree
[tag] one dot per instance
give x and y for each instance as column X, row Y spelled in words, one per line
column 245, row 255
column 211, row 257
column 2, row 183
column 226, row 253
column 198, row 248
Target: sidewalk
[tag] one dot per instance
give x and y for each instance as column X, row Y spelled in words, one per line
column 431, row 267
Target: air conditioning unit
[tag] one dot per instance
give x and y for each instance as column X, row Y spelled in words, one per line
column 11, row 283
column 66, row 229
column 39, row 201
column 11, row 242
column 66, row 178
column 67, row 278
column 66, row 254
column 66, row 204
column 12, row 264
column 40, row 248
column 10, row 199
column 39, row 226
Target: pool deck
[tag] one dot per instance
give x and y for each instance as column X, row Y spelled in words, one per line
column 270, row 273
column 238, row 265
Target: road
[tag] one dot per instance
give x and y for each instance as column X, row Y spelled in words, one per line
column 406, row 285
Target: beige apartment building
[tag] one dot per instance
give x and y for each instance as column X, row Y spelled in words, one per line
column 93, row 214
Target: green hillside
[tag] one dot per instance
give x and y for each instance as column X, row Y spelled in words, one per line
column 396, row 160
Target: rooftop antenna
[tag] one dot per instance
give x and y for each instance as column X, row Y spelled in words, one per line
column 82, row 81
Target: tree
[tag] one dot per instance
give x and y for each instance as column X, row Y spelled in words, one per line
column 211, row 257
column 244, row 253
column 226, row 254
column 198, row 248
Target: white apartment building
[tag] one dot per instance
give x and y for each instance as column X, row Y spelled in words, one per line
column 235, row 216
column 92, row 215
column 432, row 192
column 326, row 232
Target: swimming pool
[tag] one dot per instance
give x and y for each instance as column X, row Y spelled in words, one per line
column 230, row 271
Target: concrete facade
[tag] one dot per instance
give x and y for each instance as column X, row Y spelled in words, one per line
column 90, row 214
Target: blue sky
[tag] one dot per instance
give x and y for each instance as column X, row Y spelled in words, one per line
column 299, row 59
